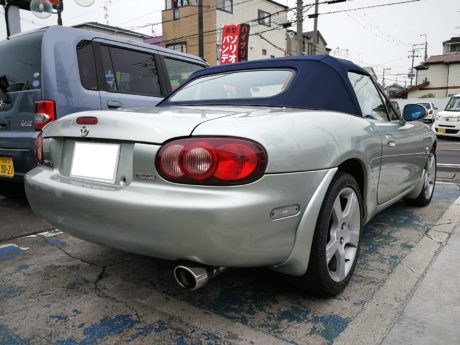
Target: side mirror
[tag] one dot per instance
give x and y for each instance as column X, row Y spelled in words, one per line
column 414, row 112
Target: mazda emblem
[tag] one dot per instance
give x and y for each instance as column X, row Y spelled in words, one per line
column 84, row 131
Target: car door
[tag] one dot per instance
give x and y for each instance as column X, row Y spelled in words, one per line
column 403, row 147
column 128, row 78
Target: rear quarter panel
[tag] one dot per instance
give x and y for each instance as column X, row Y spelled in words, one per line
column 300, row 140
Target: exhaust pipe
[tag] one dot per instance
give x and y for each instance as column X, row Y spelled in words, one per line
column 195, row 276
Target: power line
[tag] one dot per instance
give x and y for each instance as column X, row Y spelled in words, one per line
column 368, row 7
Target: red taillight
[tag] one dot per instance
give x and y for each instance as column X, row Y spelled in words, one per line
column 430, row 112
column 87, row 120
column 39, row 149
column 45, row 112
column 212, row 161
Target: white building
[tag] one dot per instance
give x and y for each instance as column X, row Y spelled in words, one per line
column 439, row 76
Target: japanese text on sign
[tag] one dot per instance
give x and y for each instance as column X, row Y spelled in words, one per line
column 235, row 40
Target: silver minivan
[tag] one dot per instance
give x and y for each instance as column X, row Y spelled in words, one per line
column 55, row 71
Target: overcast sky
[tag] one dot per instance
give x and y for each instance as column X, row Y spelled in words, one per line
column 378, row 37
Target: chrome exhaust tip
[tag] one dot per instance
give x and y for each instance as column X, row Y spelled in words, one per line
column 193, row 277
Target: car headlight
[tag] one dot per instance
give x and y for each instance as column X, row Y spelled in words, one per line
column 438, row 117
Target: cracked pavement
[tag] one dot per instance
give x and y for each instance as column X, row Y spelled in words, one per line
column 57, row 289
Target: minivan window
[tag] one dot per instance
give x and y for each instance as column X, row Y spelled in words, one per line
column 130, row 72
column 20, row 61
column 179, row 71
column 86, row 65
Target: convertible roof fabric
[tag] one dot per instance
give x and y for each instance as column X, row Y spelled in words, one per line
column 321, row 82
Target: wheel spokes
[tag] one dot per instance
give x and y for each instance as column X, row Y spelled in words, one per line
column 341, row 270
column 343, row 236
column 350, row 238
column 331, row 248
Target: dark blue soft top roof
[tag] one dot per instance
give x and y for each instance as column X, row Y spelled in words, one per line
column 321, row 82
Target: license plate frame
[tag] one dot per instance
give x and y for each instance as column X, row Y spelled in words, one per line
column 94, row 161
column 6, row 167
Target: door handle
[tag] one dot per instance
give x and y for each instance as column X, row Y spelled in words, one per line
column 114, row 104
column 390, row 141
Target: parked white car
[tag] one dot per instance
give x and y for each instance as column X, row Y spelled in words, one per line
column 430, row 110
column 447, row 122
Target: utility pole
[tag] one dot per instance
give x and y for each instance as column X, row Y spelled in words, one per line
column 315, row 25
column 200, row 30
column 315, row 29
column 413, row 55
column 299, row 37
column 383, row 79
column 426, row 46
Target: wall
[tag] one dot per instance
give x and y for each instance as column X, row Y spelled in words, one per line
column 185, row 29
column 244, row 12
column 440, row 76
column 439, row 102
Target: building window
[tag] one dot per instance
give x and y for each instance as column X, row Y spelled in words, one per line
column 264, row 18
column 225, row 5
column 180, row 47
column 264, row 51
column 176, row 13
column 170, row 4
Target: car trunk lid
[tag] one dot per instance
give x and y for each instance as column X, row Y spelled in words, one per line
column 153, row 126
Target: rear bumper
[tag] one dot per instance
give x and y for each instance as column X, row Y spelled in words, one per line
column 218, row 226
column 20, row 146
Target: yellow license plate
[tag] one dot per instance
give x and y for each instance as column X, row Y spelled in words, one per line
column 6, row 166
column 441, row 130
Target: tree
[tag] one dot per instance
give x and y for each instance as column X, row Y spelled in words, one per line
column 428, row 95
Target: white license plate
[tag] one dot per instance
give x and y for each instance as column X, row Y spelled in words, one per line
column 95, row 161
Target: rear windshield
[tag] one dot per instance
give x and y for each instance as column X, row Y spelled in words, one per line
column 235, row 85
column 20, row 61
column 426, row 105
column 454, row 104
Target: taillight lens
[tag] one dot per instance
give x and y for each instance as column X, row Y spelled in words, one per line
column 211, row 161
column 430, row 112
column 45, row 112
column 39, row 149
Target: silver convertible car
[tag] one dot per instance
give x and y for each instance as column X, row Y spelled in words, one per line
column 272, row 163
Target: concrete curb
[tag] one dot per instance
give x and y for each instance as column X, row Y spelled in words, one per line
column 381, row 312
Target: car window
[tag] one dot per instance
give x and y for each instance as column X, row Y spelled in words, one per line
column 179, row 71
column 130, row 72
column 235, row 85
column 426, row 105
column 86, row 65
column 392, row 114
column 454, row 104
column 20, row 61
column 368, row 97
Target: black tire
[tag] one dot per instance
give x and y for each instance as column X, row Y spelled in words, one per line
column 318, row 280
column 425, row 196
column 10, row 189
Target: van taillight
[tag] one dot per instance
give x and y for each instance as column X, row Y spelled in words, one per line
column 45, row 112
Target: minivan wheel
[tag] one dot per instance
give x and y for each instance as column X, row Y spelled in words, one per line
column 336, row 241
column 425, row 196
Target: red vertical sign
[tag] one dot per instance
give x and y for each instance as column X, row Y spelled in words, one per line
column 243, row 42
column 234, row 43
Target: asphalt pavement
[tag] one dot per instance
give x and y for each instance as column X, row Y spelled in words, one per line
column 56, row 289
